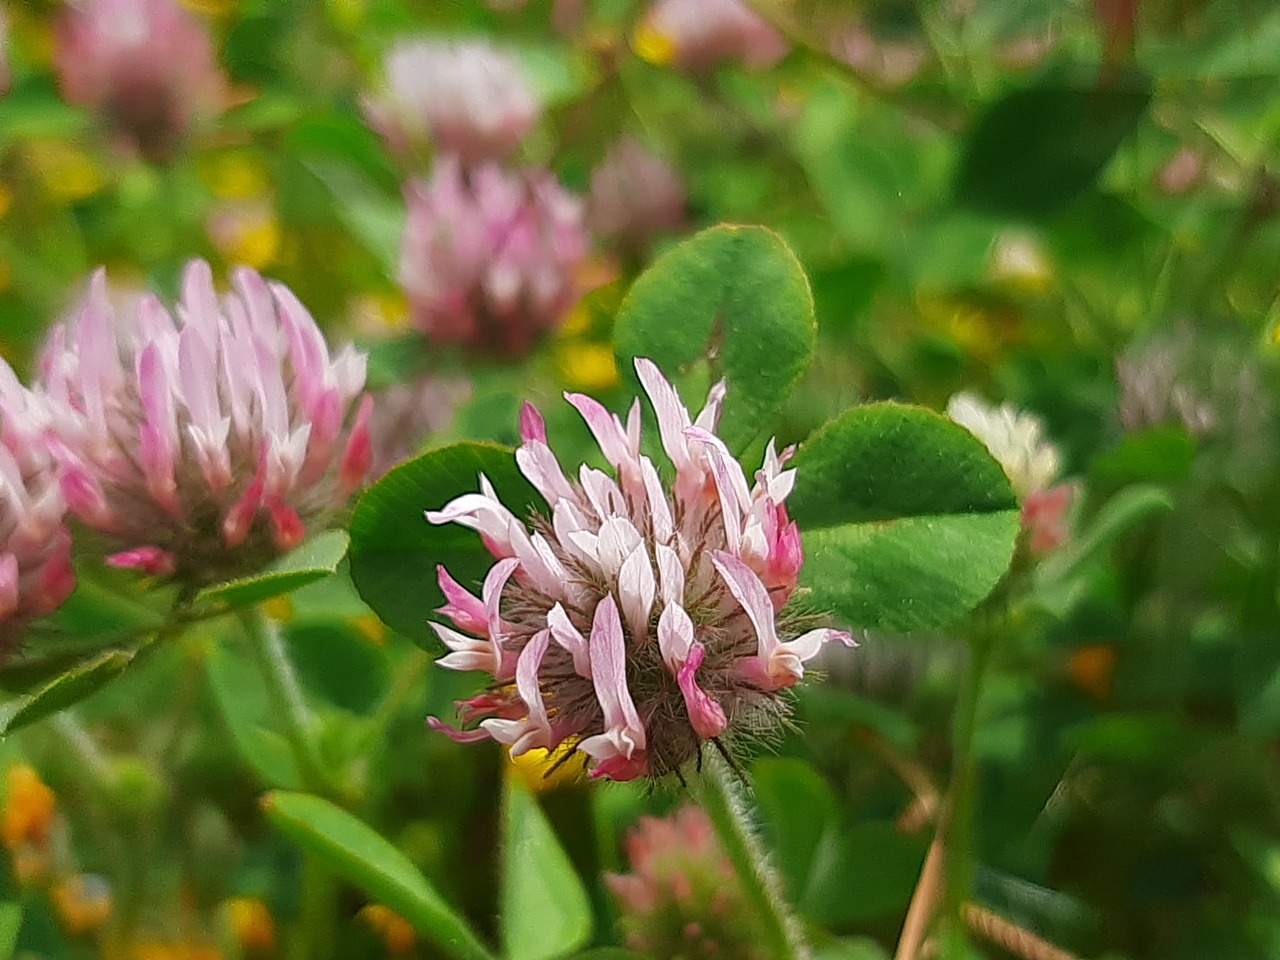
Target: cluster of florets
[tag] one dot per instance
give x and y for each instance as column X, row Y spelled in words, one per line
column 1014, row 438
column 698, row 34
column 147, row 65
column 636, row 620
column 635, row 195
column 202, row 445
column 489, row 257
column 683, row 898
column 464, row 98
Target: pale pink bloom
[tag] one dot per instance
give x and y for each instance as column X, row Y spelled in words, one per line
column 405, row 415
column 465, row 97
column 705, row 32
column 682, row 897
column 35, row 547
column 488, row 259
column 147, row 65
column 203, row 441
column 637, row 618
column 888, row 63
column 635, row 195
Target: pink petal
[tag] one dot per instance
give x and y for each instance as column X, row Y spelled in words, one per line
column 751, row 594
column 623, row 738
column 9, row 589
column 456, row 735
column 706, row 716
column 465, row 609
column 149, row 560
column 675, row 636
column 619, row 448
column 532, row 426
column 358, row 456
column 568, row 636
column 636, row 591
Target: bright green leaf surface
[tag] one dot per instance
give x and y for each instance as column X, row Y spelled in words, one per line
column 799, row 811
column 733, row 296
column 394, row 550
column 355, row 852
column 545, row 911
column 314, row 560
column 81, row 681
column 10, row 924
column 908, row 522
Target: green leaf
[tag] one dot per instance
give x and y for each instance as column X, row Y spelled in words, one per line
column 1120, row 514
column 545, row 910
column 734, row 300
column 851, row 948
column 394, row 550
column 374, row 217
column 1034, row 150
column 239, row 694
column 314, row 560
column 10, row 924
column 336, row 661
column 356, row 852
column 78, row 683
column 800, row 814
column 1163, row 454
column 907, row 521
column 868, row 874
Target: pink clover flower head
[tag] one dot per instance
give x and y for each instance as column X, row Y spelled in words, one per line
column 35, row 547
column 488, row 259
column 705, row 32
column 467, row 97
column 206, row 440
column 635, row 195
column 147, row 65
column 1014, row 438
column 682, row 897
column 637, row 618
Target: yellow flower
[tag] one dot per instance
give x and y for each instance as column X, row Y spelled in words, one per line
column 83, row 903
column 246, row 232
column 29, row 808
column 587, row 365
column 252, row 924
column 235, row 176
column 68, row 173
column 651, row 44
column 538, row 768
column 394, row 929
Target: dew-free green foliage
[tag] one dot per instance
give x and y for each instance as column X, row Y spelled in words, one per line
column 735, row 301
column 908, row 522
column 313, row 560
column 355, row 851
column 395, row 551
column 67, row 688
column 545, row 912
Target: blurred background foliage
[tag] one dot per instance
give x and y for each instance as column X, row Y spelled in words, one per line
column 1069, row 205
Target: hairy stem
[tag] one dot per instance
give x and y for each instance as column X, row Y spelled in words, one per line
column 721, row 798
column 285, row 695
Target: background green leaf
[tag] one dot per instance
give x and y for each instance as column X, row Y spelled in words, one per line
column 394, row 550
column 314, row 560
column 907, row 521
column 735, row 299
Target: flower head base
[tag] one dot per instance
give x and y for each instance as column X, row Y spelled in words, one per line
column 147, row 65
column 635, row 195
column 488, row 260
column 1013, row 438
column 204, row 446
column 468, row 98
column 682, row 898
column 701, row 33
column 35, row 546
column 634, row 621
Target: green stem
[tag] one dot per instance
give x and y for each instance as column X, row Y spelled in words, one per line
column 959, row 813
column 285, row 695
column 720, row 797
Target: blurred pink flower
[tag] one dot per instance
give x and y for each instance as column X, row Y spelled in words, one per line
column 635, row 195
column 466, row 97
column 406, row 414
column 704, row 32
column 682, row 898
column 147, row 65
column 203, row 446
column 887, row 63
column 636, row 620
column 488, row 258
column 35, row 547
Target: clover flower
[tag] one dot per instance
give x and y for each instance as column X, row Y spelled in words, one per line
column 488, row 259
column 468, row 98
column 35, row 546
column 682, row 898
column 700, row 33
column 147, row 65
column 636, row 619
column 635, row 195
column 203, row 447
column 1013, row 438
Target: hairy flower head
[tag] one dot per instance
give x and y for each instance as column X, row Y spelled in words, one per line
column 638, row 618
column 488, row 259
column 467, row 97
column 147, row 65
column 203, row 443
